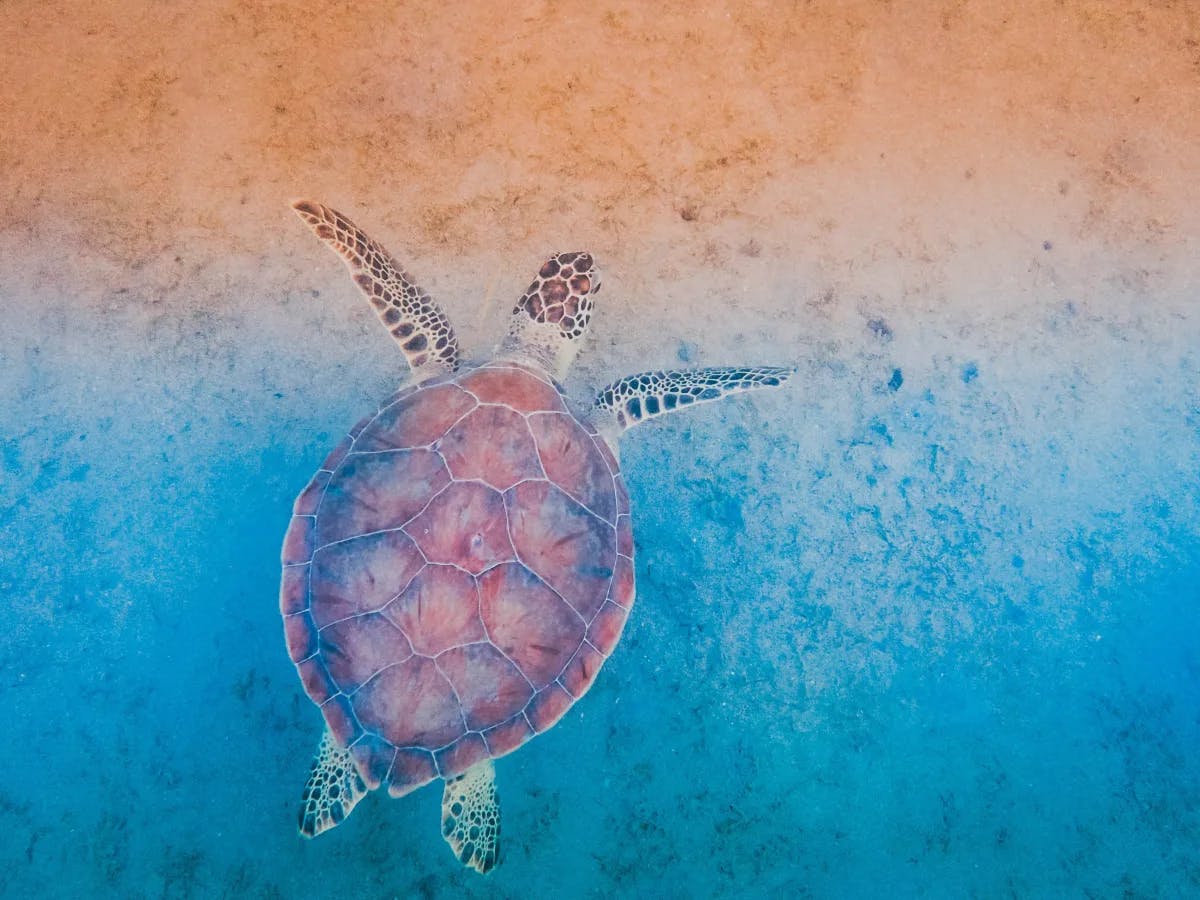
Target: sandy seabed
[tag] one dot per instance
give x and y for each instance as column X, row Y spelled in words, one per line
column 922, row 624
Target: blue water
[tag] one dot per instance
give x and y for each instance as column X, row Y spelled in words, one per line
column 919, row 625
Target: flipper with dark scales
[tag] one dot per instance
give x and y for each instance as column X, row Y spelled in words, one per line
column 637, row 398
column 417, row 323
column 471, row 817
column 333, row 789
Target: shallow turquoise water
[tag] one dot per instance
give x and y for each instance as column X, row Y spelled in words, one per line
column 917, row 630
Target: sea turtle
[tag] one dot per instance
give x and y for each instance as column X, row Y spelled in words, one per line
column 461, row 565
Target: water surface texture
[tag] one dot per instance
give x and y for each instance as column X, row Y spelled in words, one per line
column 923, row 623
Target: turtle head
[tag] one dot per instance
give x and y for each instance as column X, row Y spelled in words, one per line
column 551, row 318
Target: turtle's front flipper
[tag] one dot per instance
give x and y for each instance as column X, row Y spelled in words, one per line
column 471, row 817
column 333, row 788
column 637, row 398
column 413, row 319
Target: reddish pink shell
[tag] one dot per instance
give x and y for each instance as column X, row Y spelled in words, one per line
column 456, row 573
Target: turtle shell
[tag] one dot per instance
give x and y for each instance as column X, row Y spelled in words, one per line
column 456, row 573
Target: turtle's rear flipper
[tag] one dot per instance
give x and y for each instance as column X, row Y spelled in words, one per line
column 471, row 817
column 637, row 398
column 334, row 787
column 409, row 314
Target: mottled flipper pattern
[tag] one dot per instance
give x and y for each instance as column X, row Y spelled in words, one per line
column 413, row 319
column 637, row 398
column 471, row 817
column 333, row 789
